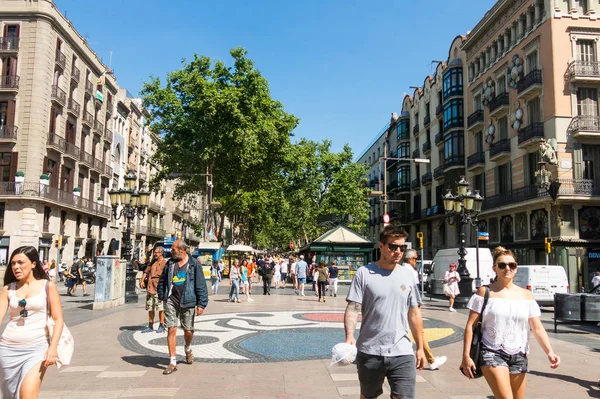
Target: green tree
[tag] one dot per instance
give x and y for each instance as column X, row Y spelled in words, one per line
column 219, row 120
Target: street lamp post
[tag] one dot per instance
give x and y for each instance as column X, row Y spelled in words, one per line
column 184, row 224
column 462, row 209
column 134, row 204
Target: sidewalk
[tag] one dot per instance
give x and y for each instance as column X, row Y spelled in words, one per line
column 275, row 348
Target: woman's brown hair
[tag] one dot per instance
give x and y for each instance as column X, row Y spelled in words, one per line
column 501, row 251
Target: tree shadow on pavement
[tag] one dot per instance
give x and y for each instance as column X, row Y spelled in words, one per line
column 147, row 361
column 591, row 386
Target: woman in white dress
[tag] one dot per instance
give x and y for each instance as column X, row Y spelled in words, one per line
column 277, row 273
column 508, row 315
column 451, row 279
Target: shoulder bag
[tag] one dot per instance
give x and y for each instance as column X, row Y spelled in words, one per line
column 66, row 344
column 477, row 333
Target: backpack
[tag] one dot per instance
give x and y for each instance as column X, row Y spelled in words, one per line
column 213, row 272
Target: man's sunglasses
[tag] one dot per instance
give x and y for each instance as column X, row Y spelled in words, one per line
column 23, row 303
column 394, row 247
column 502, row 265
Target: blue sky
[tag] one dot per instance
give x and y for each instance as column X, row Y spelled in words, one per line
column 341, row 66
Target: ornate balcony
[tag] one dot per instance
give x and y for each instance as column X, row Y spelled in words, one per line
column 416, row 129
column 9, row 83
column 71, row 151
column 89, row 88
column 426, row 120
column 530, row 136
column 9, row 44
column 439, row 111
column 73, row 108
column 88, row 119
column 438, row 173
column 8, row 134
column 75, row 74
column 499, row 105
column 439, row 139
column 416, row 153
column 403, row 188
column 61, row 60
column 86, row 159
column 475, row 119
column 98, row 165
column 476, row 161
column 50, row 194
column 500, row 150
column 99, row 127
column 585, row 127
column 427, row 147
column 108, row 170
column 530, row 85
column 109, row 107
column 426, row 179
column 415, row 184
column 584, row 71
column 56, row 142
column 456, row 161
column 59, row 96
column 108, row 135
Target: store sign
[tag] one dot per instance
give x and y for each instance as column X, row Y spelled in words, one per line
column 593, row 254
column 483, row 236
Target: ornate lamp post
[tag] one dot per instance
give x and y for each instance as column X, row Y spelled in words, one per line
column 463, row 209
column 184, row 223
column 134, row 204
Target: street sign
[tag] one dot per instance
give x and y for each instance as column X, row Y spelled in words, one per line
column 483, row 236
column 386, row 219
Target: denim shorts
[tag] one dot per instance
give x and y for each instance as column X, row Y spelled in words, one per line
column 401, row 372
column 517, row 364
column 301, row 280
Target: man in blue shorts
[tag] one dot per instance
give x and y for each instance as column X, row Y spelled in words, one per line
column 301, row 269
column 378, row 290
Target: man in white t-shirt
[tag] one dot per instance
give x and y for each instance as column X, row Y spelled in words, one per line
column 596, row 279
column 410, row 261
column 284, row 272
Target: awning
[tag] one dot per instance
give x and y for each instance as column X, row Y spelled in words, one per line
column 240, row 248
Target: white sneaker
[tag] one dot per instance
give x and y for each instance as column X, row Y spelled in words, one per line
column 250, row 300
column 439, row 361
column 452, row 310
column 302, row 294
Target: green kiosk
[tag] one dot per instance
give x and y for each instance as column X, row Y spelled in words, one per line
column 348, row 249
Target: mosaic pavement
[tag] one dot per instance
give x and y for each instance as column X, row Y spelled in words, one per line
column 267, row 337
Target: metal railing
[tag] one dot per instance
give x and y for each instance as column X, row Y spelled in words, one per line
column 426, row 120
column 476, row 158
column 88, row 118
column 415, row 184
column 46, row 226
column 533, row 130
column 498, row 101
column 75, row 73
column 37, row 190
column 86, row 158
column 439, row 110
column 108, row 170
column 89, row 87
column 427, row 146
column 99, row 126
column 56, row 141
column 59, row 95
column 416, row 129
column 439, row 138
column 416, row 153
column 9, row 43
column 475, row 117
column 438, row 172
column 588, row 69
column 74, row 106
column 71, row 149
column 108, row 134
column 456, row 160
column 9, row 82
column 426, row 178
column 499, row 147
column 585, row 123
column 98, row 165
column 8, row 132
column 532, row 78
column 60, row 59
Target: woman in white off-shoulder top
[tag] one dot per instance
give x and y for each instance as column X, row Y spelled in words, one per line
column 508, row 315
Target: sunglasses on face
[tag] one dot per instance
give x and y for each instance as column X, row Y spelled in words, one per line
column 23, row 303
column 394, row 247
column 502, row 265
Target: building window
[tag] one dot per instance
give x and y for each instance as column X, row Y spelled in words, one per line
column 2, row 210
column 582, row 6
column 403, row 129
column 453, row 83
column 586, row 50
column 478, row 140
column 532, row 61
column 503, row 179
column 403, row 150
column 502, row 128
column 501, row 84
column 4, row 247
column 534, row 111
column 587, row 101
column 453, row 114
column 477, row 106
column 404, row 176
column 5, row 158
column 454, row 147
column 591, row 161
column 479, row 183
column 531, row 161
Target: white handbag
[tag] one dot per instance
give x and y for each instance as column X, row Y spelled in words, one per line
column 66, row 344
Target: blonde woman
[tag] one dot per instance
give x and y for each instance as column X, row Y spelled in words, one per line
column 508, row 315
column 25, row 352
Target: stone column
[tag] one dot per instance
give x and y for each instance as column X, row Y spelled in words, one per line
column 529, row 19
column 513, row 33
column 476, row 66
column 481, row 63
column 572, row 7
column 520, row 27
column 493, row 52
column 506, row 39
column 537, row 12
column 499, row 46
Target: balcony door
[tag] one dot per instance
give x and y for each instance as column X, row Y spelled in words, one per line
column 534, row 111
column 587, row 101
column 591, row 161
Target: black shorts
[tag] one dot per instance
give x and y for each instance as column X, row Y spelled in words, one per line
column 401, row 372
column 517, row 364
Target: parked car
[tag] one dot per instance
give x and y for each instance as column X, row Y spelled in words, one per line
column 543, row 281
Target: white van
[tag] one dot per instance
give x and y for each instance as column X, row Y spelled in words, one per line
column 444, row 257
column 427, row 266
column 543, row 281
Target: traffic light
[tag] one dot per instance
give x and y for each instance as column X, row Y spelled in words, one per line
column 420, row 239
column 548, row 244
column 58, row 242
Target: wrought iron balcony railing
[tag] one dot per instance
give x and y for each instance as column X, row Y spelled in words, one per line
column 533, row 130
